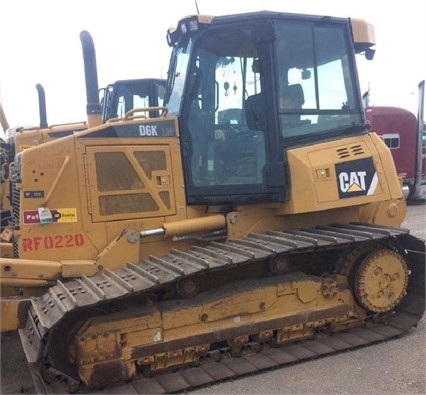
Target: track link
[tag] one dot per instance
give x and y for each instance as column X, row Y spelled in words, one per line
column 47, row 312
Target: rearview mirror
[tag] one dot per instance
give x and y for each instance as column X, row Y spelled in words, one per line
column 306, row 74
column 369, row 53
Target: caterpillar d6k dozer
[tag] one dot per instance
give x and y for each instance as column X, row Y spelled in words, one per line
column 254, row 223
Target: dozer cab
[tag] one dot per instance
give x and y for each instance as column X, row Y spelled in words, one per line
column 255, row 213
column 132, row 96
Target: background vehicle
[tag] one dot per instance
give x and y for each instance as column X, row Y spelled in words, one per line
column 126, row 95
column 193, row 238
column 118, row 99
column 405, row 135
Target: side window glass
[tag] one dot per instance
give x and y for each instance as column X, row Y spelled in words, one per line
column 315, row 88
column 391, row 140
column 226, row 150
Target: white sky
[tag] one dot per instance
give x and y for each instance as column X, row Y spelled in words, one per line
column 40, row 43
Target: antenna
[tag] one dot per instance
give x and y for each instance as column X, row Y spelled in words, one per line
column 196, row 6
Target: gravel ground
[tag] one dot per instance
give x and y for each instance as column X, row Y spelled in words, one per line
column 394, row 367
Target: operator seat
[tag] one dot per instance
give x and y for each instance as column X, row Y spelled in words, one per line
column 255, row 107
column 255, row 111
column 292, row 98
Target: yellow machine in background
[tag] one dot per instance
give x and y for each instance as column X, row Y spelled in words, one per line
column 119, row 99
column 255, row 211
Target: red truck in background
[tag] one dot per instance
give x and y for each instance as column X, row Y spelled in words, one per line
column 405, row 135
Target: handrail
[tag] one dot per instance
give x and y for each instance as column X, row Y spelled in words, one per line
column 130, row 115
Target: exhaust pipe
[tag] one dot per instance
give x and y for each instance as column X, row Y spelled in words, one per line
column 42, row 106
column 93, row 108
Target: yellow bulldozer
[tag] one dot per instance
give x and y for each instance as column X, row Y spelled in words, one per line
column 255, row 213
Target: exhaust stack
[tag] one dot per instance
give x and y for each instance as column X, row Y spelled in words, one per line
column 42, row 106
column 93, row 108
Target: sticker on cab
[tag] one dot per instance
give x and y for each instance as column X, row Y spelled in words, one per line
column 59, row 215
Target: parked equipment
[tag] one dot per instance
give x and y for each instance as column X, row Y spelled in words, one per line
column 122, row 98
column 117, row 99
column 255, row 212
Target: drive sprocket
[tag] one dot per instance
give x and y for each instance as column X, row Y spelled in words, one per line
column 380, row 281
